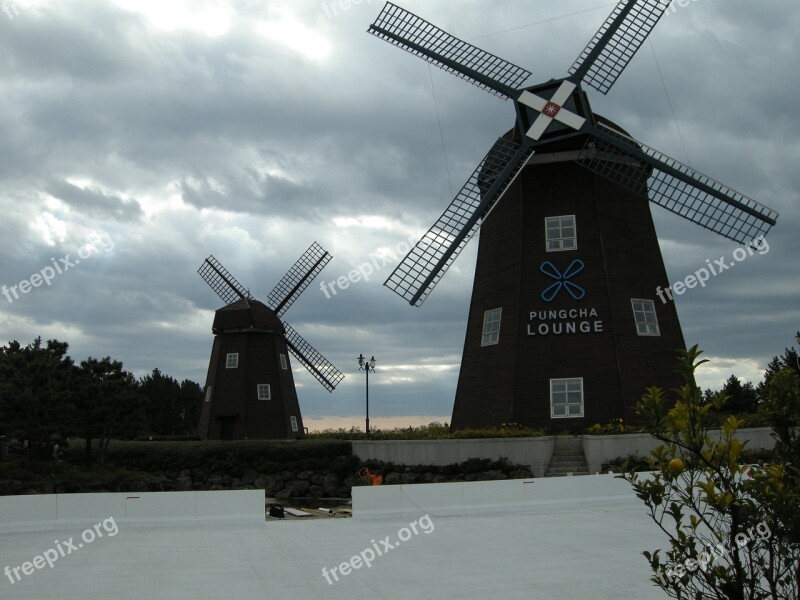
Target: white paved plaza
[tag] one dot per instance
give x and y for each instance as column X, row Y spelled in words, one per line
column 588, row 549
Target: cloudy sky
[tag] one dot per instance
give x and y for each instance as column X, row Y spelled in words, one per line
column 146, row 135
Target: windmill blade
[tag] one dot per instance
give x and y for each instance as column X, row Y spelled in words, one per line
column 421, row 38
column 675, row 186
column 298, row 278
column 422, row 268
column 222, row 282
column 616, row 42
column 319, row 366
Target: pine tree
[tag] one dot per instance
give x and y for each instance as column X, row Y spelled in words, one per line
column 741, row 398
column 37, row 385
column 789, row 360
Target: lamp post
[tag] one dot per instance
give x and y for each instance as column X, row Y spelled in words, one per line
column 367, row 366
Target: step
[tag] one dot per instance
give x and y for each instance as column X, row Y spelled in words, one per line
column 568, row 470
column 567, row 474
column 570, row 456
column 564, row 468
column 569, row 465
column 569, row 443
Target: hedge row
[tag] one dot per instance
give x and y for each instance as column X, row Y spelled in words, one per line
column 232, row 457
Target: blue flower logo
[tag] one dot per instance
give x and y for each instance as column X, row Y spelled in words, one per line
column 562, row 280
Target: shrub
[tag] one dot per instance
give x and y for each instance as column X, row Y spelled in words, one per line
column 432, row 431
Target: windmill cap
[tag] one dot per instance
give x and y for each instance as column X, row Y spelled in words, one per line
column 247, row 314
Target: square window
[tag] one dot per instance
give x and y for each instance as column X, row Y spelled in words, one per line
column 491, row 327
column 560, row 233
column 566, row 398
column 644, row 313
column 264, row 392
column 284, row 362
column 232, row 360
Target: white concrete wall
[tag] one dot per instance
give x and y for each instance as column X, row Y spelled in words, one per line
column 27, row 509
column 488, row 497
column 66, row 511
column 534, row 453
column 600, row 449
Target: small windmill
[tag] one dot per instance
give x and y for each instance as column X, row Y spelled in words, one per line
column 250, row 391
column 560, row 328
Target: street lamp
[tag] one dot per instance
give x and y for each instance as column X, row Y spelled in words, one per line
column 367, row 366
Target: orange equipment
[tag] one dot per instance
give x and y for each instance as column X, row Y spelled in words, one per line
column 373, row 478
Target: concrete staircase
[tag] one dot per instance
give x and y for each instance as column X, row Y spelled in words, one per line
column 568, row 458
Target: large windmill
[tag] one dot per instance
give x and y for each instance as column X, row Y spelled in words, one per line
column 250, row 391
column 564, row 327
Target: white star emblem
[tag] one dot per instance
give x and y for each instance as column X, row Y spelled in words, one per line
column 551, row 110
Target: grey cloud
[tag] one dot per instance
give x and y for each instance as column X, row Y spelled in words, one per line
column 95, row 203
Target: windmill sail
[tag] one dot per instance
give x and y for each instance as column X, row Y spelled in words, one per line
column 417, row 36
column 319, row 366
column 222, row 282
column 616, row 42
column 422, row 268
column 675, row 186
column 298, row 278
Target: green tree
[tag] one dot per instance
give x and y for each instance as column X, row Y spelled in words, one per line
column 713, row 397
column 191, row 401
column 36, row 391
column 781, row 408
column 741, row 398
column 172, row 408
column 107, row 397
column 729, row 526
column 788, row 360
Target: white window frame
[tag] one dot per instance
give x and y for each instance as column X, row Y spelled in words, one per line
column 568, row 414
column 232, row 360
column 491, row 337
column 293, row 421
column 562, row 242
column 209, row 391
column 284, row 362
column 260, row 387
column 643, row 327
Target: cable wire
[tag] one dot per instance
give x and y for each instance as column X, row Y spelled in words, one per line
column 580, row 12
column 441, row 131
column 669, row 102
